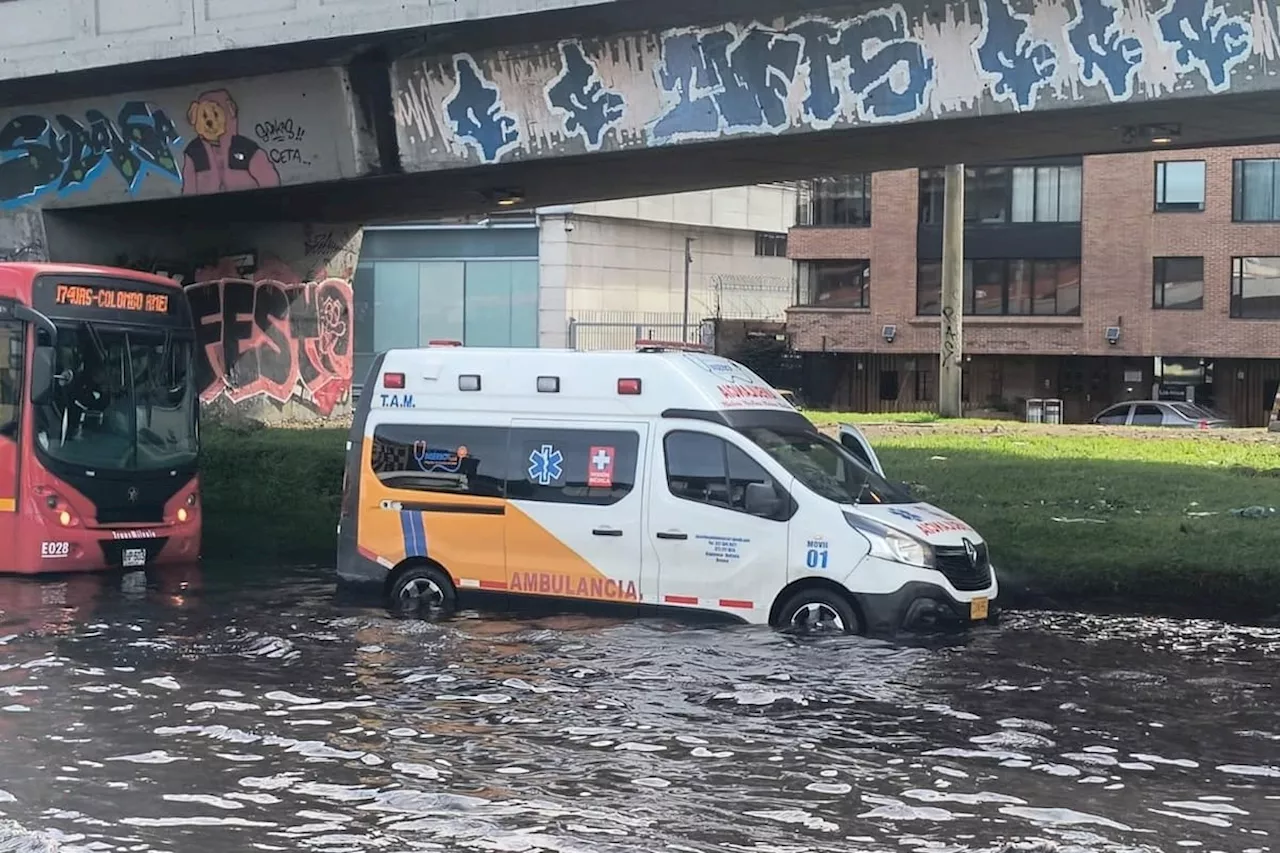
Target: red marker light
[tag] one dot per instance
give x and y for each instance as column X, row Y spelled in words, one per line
column 628, row 386
column 1204, row 425
column 393, row 380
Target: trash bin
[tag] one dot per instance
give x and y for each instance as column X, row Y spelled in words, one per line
column 1053, row 411
column 1035, row 410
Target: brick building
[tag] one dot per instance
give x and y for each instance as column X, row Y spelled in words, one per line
column 1092, row 280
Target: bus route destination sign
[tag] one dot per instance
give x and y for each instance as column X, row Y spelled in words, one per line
column 111, row 298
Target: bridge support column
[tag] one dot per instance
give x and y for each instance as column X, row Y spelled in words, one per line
column 950, row 371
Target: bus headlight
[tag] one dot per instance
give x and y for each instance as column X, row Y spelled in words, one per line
column 64, row 518
column 893, row 545
column 182, row 513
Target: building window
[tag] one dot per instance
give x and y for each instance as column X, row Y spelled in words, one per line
column 1006, row 287
column 889, row 385
column 1180, row 186
column 1047, row 193
column 1255, row 191
column 1255, row 288
column 835, row 284
column 999, row 194
column 839, row 200
column 771, row 245
column 1177, row 283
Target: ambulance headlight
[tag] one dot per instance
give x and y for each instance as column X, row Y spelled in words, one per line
column 893, row 545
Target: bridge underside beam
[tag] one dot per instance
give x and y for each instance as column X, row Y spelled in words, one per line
column 1233, row 119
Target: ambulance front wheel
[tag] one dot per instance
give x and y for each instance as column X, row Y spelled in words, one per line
column 819, row 611
column 423, row 589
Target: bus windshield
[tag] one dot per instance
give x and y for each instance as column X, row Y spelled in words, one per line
column 124, row 399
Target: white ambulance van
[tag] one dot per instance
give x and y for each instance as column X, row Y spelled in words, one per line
column 664, row 478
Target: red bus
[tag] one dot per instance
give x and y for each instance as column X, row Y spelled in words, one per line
column 99, row 420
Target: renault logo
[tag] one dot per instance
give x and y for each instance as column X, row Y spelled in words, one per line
column 972, row 551
column 132, row 494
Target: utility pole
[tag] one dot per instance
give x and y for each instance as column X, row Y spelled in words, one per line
column 949, row 373
column 688, row 262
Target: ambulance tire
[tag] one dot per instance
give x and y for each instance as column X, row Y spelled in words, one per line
column 423, row 589
column 818, row 610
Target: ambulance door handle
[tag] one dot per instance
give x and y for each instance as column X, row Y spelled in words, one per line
column 662, row 535
column 606, row 531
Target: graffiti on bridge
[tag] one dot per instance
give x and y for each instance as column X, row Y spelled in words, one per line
column 283, row 140
column 270, row 340
column 63, row 154
column 220, row 159
column 816, row 72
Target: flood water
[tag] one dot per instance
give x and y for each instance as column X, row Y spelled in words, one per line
column 253, row 712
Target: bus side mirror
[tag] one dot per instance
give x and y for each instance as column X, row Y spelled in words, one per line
column 42, row 378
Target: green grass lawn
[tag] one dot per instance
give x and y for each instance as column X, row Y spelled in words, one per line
column 1146, row 537
column 1084, row 518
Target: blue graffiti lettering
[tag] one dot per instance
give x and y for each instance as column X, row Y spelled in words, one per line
column 1107, row 54
column 579, row 95
column 893, row 81
column 38, row 155
column 1019, row 65
column 822, row 46
column 1207, row 39
column 719, row 82
column 477, row 113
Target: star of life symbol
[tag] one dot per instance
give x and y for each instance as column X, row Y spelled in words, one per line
column 545, row 465
column 601, row 460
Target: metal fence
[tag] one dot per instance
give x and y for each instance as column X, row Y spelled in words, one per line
column 619, row 330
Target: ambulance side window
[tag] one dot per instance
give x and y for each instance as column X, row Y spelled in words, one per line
column 454, row 460
column 576, row 466
column 710, row 470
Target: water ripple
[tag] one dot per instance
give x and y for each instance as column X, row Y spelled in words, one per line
column 270, row 717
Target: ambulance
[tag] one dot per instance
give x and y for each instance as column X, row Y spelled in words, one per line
column 652, row 479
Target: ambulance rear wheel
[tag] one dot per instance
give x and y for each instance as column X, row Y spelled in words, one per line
column 819, row 611
column 424, row 590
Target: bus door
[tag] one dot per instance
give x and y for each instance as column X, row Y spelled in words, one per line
column 12, row 359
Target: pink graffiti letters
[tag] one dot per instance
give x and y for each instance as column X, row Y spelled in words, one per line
column 274, row 340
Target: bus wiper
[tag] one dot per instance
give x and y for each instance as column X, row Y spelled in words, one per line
column 97, row 341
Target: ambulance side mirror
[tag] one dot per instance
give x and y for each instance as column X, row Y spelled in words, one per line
column 761, row 500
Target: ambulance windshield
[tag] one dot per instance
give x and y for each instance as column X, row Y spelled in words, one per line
column 825, row 467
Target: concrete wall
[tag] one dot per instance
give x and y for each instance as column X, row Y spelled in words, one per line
column 216, row 137
column 890, row 64
column 758, row 207
column 47, row 36
column 273, row 304
column 610, row 265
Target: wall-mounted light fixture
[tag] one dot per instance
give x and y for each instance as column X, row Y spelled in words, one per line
column 889, row 332
column 504, row 196
column 1150, row 134
column 1112, row 334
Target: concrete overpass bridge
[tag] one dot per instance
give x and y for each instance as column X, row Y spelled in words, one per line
column 184, row 134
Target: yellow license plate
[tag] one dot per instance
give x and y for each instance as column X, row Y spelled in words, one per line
column 979, row 608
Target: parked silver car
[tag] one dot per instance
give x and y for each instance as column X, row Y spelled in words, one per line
column 1160, row 413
